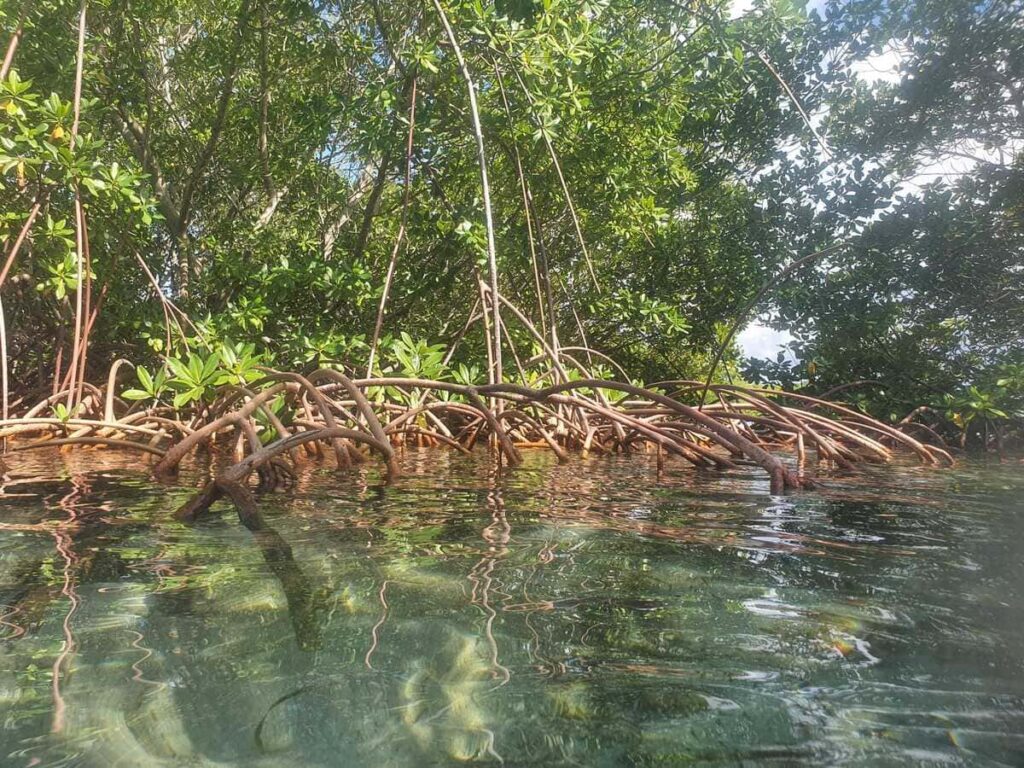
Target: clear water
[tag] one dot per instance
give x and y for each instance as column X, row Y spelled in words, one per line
column 593, row 614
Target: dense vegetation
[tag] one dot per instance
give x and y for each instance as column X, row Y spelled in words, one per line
column 203, row 188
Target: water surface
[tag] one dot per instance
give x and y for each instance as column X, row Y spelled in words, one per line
column 591, row 614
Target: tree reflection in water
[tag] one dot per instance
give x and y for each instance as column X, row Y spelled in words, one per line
column 595, row 613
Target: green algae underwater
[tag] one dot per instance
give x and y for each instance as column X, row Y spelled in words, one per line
column 596, row 613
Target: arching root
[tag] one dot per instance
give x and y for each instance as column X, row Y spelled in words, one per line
column 741, row 425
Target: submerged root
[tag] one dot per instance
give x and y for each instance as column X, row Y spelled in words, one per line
column 740, row 425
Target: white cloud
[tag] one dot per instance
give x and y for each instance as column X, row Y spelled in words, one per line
column 947, row 163
column 758, row 340
column 738, row 8
column 882, row 67
column 954, row 161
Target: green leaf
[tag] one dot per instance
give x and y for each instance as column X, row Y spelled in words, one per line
column 184, row 398
column 209, row 366
column 178, row 368
column 144, row 378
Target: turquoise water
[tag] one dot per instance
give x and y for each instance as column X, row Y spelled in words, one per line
column 591, row 614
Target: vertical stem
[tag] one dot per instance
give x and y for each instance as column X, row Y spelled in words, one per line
column 543, row 253
column 58, row 362
column 492, row 257
column 401, row 232
column 19, row 241
column 263, row 141
column 565, row 187
column 88, row 315
column 12, row 46
column 78, row 72
column 3, row 368
column 515, row 355
column 79, row 248
column 79, row 213
column 488, row 337
column 525, row 192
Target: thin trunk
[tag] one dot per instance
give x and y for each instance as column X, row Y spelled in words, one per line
column 217, row 129
column 556, row 364
column 79, row 212
column 542, row 251
column 12, row 46
column 470, row 319
column 401, row 231
column 492, row 256
column 525, row 193
column 565, row 187
column 3, row 369
column 20, row 240
column 88, row 314
column 135, row 135
column 165, row 75
column 481, row 288
column 263, row 141
column 58, row 361
column 332, row 231
column 271, row 208
column 79, row 258
column 170, row 310
column 371, row 206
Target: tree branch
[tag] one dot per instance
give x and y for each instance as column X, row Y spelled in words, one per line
column 230, row 74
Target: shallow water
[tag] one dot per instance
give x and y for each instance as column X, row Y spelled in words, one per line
column 592, row 614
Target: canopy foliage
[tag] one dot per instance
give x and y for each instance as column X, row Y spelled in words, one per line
column 652, row 165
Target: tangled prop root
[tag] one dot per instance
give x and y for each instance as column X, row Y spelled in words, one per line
column 289, row 411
